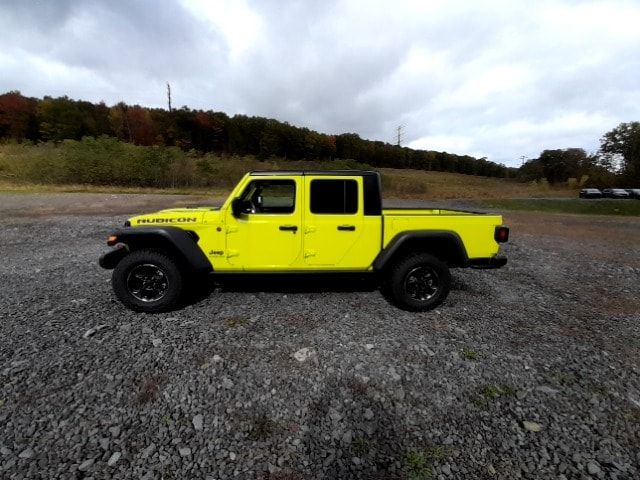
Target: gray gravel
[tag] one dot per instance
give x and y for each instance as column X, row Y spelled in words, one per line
column 526, row 372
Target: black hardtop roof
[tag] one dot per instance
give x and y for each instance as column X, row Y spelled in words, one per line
column 313, row 172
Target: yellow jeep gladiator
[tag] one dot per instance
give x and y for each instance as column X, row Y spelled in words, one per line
column 301, row 222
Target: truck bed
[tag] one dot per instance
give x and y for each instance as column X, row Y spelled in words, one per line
column 471, row 227
column 426, row 211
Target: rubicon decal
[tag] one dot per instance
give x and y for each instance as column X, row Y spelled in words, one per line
column 167, row 220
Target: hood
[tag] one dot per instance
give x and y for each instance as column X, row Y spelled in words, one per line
column 173, row 216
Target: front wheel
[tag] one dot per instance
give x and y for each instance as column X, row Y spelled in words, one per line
column 418, row 282
column 148, row 281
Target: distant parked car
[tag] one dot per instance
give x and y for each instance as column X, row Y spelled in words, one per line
column 590, row 193
column 615, row 193
column 634, row 192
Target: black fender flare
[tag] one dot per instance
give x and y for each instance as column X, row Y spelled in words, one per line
column 174, row 240
column 450, row 246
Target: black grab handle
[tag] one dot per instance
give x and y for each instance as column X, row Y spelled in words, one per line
column 348, row 228
column 289, row 228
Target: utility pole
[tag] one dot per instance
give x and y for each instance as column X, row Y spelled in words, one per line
column 169, row 95
column 399, row 134
column 522, row 157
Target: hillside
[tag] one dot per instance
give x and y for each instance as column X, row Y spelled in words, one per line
column 106, row 164
column 60, row 119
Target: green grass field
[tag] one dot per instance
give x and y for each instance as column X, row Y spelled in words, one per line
column 569, row 205
column 450, row 186
column 27, row 187
column 397, row 183
column 107, row 165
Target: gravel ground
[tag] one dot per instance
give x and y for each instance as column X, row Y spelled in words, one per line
column 530, row 371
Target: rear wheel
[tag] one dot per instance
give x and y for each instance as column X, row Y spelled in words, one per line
column 418, row 282
column 148, row 281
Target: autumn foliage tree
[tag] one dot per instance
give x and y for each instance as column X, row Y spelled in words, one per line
column 57, row 119
column 18, row 117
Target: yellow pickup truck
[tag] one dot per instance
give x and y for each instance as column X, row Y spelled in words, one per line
column 309, row 222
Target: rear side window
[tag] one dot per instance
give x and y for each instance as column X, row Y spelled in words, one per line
column 334, row 197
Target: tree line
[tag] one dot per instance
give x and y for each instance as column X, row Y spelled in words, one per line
column 56, row 119
column 617, row 162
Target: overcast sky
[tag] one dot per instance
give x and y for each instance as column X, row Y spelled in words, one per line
column 490, row 78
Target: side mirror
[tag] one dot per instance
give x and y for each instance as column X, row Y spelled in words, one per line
column 236, row 207
column 240, row 207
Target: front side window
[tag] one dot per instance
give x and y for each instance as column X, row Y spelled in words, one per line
column 334, row 197
column 270, row 196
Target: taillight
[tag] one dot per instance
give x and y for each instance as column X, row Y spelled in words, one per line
column 501, row 234
column 112, row 240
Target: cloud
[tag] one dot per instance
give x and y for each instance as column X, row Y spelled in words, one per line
column 119, row 49
column 499, row 78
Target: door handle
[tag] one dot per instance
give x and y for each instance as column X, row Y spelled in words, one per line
column 348, row 228
column 289, row 228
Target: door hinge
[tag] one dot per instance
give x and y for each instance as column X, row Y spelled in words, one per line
column 309, row 229
column 309, row 253
column 232, row 229
column 232, row 253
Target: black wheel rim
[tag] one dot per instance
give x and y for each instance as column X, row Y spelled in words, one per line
column 422, row 283
column 147, row 282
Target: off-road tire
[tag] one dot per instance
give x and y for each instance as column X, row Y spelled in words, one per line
column 400, row 289
column 141, row 260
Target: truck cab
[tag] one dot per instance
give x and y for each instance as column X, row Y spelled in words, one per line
column 308, row 222
column 299, row 221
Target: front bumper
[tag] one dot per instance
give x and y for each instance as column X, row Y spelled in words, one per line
column 110, row 259
column 487, row 263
